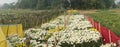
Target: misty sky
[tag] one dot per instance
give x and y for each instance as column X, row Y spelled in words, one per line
column 9, row 1
column 6, row 1
column 117, row 1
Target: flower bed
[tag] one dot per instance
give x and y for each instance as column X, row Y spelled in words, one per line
column 77, row 33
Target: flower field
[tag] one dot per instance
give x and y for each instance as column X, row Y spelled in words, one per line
column 76, row 32
column 61, row 31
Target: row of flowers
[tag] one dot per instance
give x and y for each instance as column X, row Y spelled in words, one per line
column 65, row 31
column 77, row 31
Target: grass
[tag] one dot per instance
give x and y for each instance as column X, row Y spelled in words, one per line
column 109, row 19
column 28, row 18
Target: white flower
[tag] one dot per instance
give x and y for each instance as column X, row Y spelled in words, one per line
column 76, row 31
column 109, row 45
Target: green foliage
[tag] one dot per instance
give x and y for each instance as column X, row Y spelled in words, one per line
column 26, row 4
column 60, row 4
column 67, row 4
column 29, row 18
column 39, row 4
column 92, row 4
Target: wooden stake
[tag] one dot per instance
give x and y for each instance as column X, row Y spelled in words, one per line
column 92, row 22
column 47, row 44
column 55, row 42
column 42, row 20
column 27, row 41
column 7, row 30
column 64, row 22
column 58, row 37
column 99, row 28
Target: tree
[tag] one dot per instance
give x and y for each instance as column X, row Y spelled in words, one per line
column 8, row 5
column 58, row 4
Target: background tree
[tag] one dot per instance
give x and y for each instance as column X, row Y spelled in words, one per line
column 59, row 4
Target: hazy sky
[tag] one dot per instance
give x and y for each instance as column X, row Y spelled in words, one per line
column 6, row 1
column 9, row 1
column 117, row 1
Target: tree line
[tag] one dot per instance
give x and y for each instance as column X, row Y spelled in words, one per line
column 63, row 4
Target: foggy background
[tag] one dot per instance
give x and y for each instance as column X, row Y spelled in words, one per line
column 10, row 1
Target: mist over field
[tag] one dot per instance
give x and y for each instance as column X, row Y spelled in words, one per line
column 7, row 1
column 10, row 1
column 117, row 1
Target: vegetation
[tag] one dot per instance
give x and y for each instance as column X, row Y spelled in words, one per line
column 29, row 18
column 60, row 4
column 75, row 4
column 109, row 19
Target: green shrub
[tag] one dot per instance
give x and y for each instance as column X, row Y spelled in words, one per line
column 29, row 18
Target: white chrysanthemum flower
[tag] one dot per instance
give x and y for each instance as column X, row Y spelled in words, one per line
column 76, row 31
column 109, row 45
